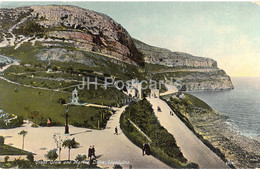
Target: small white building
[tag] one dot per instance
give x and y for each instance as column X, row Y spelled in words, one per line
column 49, row 71
column 135, row 90
column 74, row 97
column 27, row 65
column 155, row 93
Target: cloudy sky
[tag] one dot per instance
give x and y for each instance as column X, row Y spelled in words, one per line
column 228, row 32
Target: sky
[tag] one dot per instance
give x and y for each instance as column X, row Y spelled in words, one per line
column 228, row 32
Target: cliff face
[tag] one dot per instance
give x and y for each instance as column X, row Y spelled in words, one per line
column 89, row 30
column 195, row 73
column 155, row 55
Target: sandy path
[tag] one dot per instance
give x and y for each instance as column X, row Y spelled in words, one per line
column 191, row 147
column 112, row 148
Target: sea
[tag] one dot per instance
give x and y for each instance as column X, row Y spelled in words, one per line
column 241, row 105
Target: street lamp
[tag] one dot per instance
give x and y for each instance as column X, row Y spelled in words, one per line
column 67, row 125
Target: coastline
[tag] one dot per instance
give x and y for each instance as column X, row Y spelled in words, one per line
column 240, row 150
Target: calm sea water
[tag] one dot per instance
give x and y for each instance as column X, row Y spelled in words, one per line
column 241, row 105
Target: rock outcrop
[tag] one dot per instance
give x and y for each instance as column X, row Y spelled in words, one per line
column 64, row 55
column 90, row 31
column 196, row 73
column 7, row 60
column 155, row 55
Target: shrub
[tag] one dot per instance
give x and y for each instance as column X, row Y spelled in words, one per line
column 52, row 155
column 2, row 140
column 16, row 122
column 34, row 125
column 6, row 159
column 80, row 158
column 21, row 163
column 30, row 157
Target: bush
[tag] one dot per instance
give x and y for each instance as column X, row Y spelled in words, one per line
column 18, row 122
column 34, row 125
column 30, row 157
column 52, row 155
column 6, row 159
column 80, row 158
column 30, row 28
column 21, row 163
column 2, row 140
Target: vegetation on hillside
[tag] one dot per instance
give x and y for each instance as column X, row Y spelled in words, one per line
column 163, row 145
column 30, row 28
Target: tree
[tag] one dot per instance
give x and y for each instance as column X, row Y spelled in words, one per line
column 52, row 155
column 23, row 133
column 70, row 143
column 58, row 140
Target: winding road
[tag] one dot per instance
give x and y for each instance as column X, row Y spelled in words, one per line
column 191, row 147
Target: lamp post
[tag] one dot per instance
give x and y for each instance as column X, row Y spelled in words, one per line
column 67, row 125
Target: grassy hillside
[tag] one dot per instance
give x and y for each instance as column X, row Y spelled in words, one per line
column 28, row 55
column 38, row 105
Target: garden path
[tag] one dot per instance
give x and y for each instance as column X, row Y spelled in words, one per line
column 110, row 148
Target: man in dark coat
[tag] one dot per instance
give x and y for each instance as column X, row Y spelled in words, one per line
column 116, row 132
column 93, row 151
column 146, row 149
column 90, row 152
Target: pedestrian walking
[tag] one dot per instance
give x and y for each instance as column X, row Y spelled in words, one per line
column 93, row 151
column 48, row 122
column 143, row 149
column 147, row 149
column 116, row 132
column 90, row 152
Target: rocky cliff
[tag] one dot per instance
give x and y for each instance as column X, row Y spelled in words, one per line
column 73, row 34
column 196, row 73
column 155, row 55
column 89, row 30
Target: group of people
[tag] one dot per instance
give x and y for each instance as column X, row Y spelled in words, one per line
column 146, row 149
column 159, row 110
column 91, row 152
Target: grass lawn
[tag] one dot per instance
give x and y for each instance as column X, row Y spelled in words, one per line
column 38, row 105
column 9, row 150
